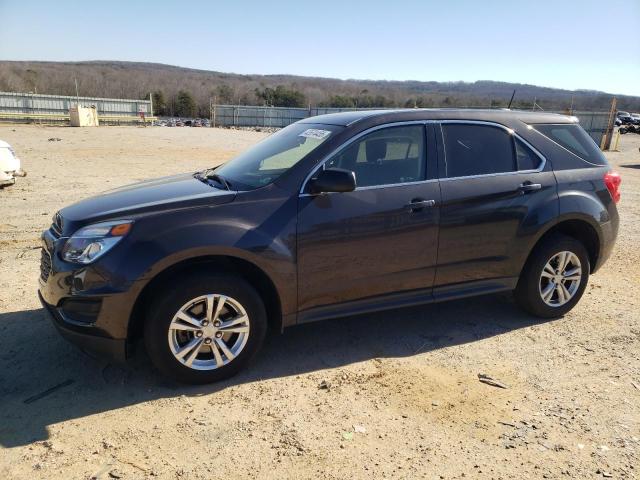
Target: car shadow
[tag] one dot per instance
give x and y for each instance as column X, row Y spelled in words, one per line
column 44, row 380
column 631, row 165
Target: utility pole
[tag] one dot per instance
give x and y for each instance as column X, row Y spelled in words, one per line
column 213, row 112
column 77, row 96
column 571, row 107
column 606, row 141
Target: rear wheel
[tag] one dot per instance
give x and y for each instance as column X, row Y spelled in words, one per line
column 206, row 329
column 554, row 278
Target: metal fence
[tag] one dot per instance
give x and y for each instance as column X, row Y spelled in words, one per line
column 27, row 107
column 595, row 123
column 254, row 116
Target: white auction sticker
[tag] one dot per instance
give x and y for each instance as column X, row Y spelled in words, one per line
column 315, row 133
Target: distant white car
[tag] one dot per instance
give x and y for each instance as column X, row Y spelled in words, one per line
column 9, row 165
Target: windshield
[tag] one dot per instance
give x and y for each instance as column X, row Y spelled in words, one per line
column 265, row 162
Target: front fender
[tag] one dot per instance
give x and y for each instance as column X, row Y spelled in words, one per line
column 261, row 233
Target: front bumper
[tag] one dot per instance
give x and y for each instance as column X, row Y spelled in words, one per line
column 87, row 341
column 90, row 305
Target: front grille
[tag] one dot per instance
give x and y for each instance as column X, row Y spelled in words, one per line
column 45, row 264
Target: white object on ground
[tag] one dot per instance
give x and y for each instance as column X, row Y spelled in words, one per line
column 9, row 165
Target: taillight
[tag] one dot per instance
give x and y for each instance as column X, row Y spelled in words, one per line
column 612, row 180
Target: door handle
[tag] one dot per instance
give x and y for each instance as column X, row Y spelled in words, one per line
column 529, row 187
column 418, row 204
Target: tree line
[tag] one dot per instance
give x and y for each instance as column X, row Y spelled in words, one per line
column 187, row 92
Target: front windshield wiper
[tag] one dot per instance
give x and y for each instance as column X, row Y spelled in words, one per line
column 209, row 174
column 218, row 178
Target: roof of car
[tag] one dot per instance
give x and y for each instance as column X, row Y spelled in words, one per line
column 495, row 115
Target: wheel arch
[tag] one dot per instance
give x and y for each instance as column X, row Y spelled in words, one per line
column 253, row 274
column 582, row 230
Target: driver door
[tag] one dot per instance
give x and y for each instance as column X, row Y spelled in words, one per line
column 381, row 238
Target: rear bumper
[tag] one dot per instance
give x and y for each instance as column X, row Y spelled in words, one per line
column 608, row 235
column 86, row 338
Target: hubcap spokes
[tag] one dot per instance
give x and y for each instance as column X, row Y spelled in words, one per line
column 208, row 332
column 560, row 279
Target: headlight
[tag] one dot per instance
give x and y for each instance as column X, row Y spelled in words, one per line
column 91, row 242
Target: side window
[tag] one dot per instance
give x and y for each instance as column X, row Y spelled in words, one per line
column 473, row 149
column 575, row 139
column 386, row 156
column 527, row 159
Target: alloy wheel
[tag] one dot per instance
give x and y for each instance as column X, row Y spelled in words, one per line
column 208, row 332
column 560, row 279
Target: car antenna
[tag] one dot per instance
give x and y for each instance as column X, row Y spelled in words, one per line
column 512, row 95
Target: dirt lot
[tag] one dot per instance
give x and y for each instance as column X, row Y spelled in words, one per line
column 404, row 398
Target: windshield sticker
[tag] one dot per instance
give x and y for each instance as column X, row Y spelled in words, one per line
column 315, row 133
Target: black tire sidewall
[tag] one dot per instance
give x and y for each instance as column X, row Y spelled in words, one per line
column 167, row 303
column 527, row 292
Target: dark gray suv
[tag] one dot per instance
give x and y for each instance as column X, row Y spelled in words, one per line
column 334, row 215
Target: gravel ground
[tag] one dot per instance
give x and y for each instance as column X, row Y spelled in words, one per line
column 393, row 395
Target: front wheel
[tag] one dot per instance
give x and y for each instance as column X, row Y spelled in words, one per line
column 554, row 278
column 205, row 329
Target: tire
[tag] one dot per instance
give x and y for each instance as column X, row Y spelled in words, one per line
column 622, row 131
column 168, row 336
column 534, row 284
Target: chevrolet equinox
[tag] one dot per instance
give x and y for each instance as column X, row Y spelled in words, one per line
column 334, row 215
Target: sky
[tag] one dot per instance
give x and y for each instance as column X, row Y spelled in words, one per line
column 568, row 44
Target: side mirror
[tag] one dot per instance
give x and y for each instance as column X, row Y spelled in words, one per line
column 333, row 180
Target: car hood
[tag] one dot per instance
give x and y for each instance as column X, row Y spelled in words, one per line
column 151, row 196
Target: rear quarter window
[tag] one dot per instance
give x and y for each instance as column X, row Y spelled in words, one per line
column 573, row 138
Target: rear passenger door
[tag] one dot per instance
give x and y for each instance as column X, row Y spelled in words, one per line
column 496, row 191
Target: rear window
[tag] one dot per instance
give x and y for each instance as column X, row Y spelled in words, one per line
column 573, row 138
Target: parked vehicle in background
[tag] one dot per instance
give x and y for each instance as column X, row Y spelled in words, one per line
column 624, row 117
column 635, row 118
column 10, row 167
column 629, row 128
column 332, row 216
column 197, row 123
column 206, row 122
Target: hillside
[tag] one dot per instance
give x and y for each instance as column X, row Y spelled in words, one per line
column 137, row 80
